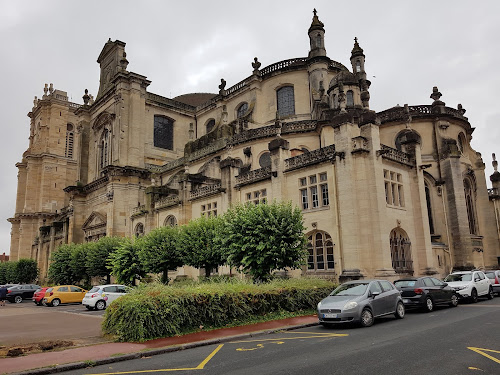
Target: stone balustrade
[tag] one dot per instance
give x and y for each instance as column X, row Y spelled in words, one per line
column 167, row 202
column 396, row 155
column 281, row 65
column 139, row 210
column 310, row 158
column 403, row 113
column 251, row 177
column 205, row 191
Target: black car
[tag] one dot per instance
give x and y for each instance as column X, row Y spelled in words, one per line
column 17, row 293
column 426, row 292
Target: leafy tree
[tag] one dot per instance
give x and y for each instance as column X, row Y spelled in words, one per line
column 125, row 263
column 97, row 263
column 10, row 272
column 78, row 263
column 198, row 243
column 26, row 270
column 60, row 270
column 3, row 273
column 265, row 237
column 158, row 251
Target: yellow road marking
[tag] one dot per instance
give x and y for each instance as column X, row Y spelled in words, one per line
column 312, row 336
column 476, row 305
column 199, row 367
column 482, row 352
column 475, row 368
column 259, row 346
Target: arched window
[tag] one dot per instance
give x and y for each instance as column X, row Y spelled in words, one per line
column 335, row 101
column 358, row 66
column 170, row 221
column 242, row 109
column 401, row 251
column 164, row 132
column 318, row 41
column 139, row 230
column 286, row 101
column 461, row 142
column 470, row 202
column 406, row 136
column 320, row 252
column 429, row 207
column 104, row 149
column 350, row 98
column 265, row 160
column 210, row 125
column 69, row 141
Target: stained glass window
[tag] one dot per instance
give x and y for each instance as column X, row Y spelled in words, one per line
column 286, row 101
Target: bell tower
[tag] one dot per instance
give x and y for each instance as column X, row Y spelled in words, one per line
column 316, row 37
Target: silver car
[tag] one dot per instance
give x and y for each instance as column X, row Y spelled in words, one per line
column 361, row 301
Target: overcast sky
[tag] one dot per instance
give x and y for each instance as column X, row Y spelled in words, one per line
column 188, row 46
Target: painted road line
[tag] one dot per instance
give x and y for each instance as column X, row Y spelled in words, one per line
column 312, row 335
column 480, row 305
column 482, row 352
column 201, row 366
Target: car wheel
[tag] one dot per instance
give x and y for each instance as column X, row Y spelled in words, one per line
column 490, row 293
column 473, row 295
column 429, row 304
column 18, row 299
column 89, row 307
column 366, row 318
column 56, row 302
column 100, row 305
column 454, row 300
column 400, row 311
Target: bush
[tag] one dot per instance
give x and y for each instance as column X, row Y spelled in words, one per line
column 157, row 310
column 23, row 271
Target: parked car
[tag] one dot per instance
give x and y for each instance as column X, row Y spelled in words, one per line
column 63, row 294
column 361, row 301
column 494, row 277
column 426, row 292
column 16, row 293
column 470, row 284
column 101, row 296
column 38, row 296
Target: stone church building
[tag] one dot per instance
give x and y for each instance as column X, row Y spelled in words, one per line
column 383, row 194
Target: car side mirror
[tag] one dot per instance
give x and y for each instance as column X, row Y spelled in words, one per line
column 374, row 294
column 445, row 284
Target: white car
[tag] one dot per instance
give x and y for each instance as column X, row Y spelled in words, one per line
column 470, row 284
column 101, row 296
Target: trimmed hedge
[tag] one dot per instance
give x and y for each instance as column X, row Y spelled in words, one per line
column 156, row 310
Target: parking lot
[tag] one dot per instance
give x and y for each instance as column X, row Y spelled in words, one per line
column 26, row 323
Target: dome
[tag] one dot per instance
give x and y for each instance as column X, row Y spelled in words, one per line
column 195, row 99
column 345, row 76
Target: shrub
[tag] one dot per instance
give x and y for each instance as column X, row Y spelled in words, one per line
column 157, row 310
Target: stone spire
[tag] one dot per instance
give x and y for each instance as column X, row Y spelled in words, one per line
column 316, row 37
column 356, row 50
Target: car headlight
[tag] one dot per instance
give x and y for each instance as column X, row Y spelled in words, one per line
column 319, row 304
column 461, row 287
column 350, row 305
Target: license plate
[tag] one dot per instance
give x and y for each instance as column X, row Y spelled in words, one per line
column 329, row 315
column 406, row 301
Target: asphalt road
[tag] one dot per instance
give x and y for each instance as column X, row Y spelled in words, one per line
column 462, row 340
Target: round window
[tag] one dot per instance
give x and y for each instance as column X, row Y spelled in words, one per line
column 265, row 160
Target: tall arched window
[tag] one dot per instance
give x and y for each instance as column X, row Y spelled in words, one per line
column 358, row 66
column 429, row 207
column 318, row 41
column 139, row 230
column 401, row 251
column 164, row 132
column 104, row 149
column 170, row 221
column 320, row 252
column 210, row 125
column 350, row 98
column 286, row 101
column 69, row 141
column 470, row 202
column 242, row 109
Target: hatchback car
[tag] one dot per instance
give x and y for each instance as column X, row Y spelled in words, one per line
column 17, row 293
column 494, row 277
column 426, row 292
column 361, row 301
column 38, row 296
column 101, row 296
column 470, row 284
column 63, row 294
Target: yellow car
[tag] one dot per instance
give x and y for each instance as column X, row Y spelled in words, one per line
column 63, row 294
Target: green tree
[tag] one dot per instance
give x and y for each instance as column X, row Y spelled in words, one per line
column 60, row 270
column 3, row 273
column 198, row 242
column 10, row 272
column 265, row 237
column 78, row 263
column 158, row 251
column 98, row 263
column 125, row 263
column 26, row 270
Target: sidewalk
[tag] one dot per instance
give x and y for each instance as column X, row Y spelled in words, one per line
column 75, row 358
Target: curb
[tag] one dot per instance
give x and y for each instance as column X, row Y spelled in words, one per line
column 170, row 349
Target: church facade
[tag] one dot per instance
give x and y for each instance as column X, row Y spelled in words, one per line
column 383, row 194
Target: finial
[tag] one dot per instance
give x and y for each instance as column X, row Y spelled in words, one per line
column 46, row 88
column 124, row 61
column 356, row 50
column 495, row 163
column 86, row 97
column 356, row 40
column 256, row 65
column 461, row 109
column 435, row 94
column 222, row 86
column 51, row 88
column 314, row 12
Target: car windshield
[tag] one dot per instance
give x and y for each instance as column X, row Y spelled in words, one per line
column 355, row 289
column 94, row 289
column 403, row 283
column 458, row 277
column 490, row 275
column 49, row 290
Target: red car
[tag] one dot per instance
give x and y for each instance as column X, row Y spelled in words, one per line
column 38, row 296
